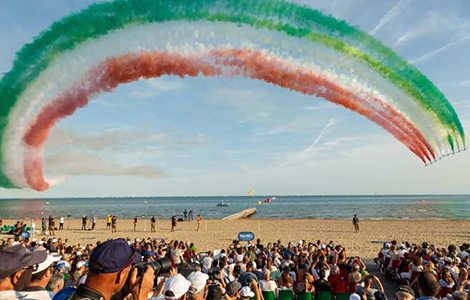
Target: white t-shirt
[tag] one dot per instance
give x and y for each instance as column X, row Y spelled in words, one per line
column 38, row 295
column 61, row 220
column 11, row 295
column 267, row 286
column 463, row 254
column 176, row 255
column 317, row 277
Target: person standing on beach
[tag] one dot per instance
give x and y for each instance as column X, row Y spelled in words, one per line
column 173, row 223
column 51, row 225
column 152, row 223
column 61, row 222
column 191, row 215
column 84, row 219
column 113, row 224
column 33, row 227
column 108, row 222
column 135, row 222
column 356, row 223
column 199, row 218
column 93, row 222
column 43, row 226
column 185, row 213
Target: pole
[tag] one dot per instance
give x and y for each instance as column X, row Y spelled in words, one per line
column 205, row 225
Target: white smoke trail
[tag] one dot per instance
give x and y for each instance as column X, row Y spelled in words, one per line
column 429, row 55
column 390, row 15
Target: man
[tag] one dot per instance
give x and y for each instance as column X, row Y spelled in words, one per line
column 113, row 224
column 198, row 289
column 428, row 286
column 322, row 284
column 232, row 291
column 191, row 215
column 176, row 288
column 152, row 223
column 199, row 218
column 185, row 213
column 56, row 283
column 93, row 222
column 367, row 288
column 110, row 266
column 16, row 266
column 173, row 223
column 84, row 220
column 61, row 222
column 40, row 278
column 135, row 222
column 108, row 222
column 51, row 225
column 356, row 223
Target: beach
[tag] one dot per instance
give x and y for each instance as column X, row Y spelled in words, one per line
column 215, row 234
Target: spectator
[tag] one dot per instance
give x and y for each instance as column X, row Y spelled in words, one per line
column 176, row 288
column 404, row 292
column 322, row 285
column 16, row 267
column 56, row 283
column 198, row 289
column 40, row 278
column 428, row 286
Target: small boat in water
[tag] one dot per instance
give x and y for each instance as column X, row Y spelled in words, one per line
column 222, row 203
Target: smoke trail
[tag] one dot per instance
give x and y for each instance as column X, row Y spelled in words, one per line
column 390, row 15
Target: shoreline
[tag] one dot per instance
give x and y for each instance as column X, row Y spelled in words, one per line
column 217, row 234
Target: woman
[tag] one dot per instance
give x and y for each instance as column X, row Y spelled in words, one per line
column 286, row 282
column 354, row 278
column 446, row 280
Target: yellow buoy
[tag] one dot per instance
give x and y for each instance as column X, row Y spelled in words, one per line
column 47, row 202
column 259, row 202
column 145, row 202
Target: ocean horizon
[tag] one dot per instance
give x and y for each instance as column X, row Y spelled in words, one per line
column 401, row 207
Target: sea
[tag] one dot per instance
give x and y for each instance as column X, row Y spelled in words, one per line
column 456, row 207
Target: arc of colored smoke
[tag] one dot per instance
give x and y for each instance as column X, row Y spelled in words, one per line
column 371, row 79
column 132, row 67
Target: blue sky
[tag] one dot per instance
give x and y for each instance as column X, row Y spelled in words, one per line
column 199, row 136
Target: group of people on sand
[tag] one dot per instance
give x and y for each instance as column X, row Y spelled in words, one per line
column 55, row 269
column 412, row 263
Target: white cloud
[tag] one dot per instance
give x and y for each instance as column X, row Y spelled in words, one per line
column 76, row 164
column 390, row 15
column 155, row 87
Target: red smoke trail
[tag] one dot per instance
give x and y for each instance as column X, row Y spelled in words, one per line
column 131, row 67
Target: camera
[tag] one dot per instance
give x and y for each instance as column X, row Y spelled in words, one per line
column 160, row 267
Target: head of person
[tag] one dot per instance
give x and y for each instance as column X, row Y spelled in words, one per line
column 246, row 293
column 110, row 265
column 355, row 268
column 57, row 282
column 44, row 271
column 404, row 292
column 322, row 274
column 198, row 289
column 368, row 280
column 17, row 265
column 459, row 295
column 233, row 289
column 428, row 284
column 176, row 288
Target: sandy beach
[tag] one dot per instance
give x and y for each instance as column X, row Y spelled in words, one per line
column 217, row 234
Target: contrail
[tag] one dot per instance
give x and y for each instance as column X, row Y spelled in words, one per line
column 306, row 152
column 392, row 13
column 427, row 56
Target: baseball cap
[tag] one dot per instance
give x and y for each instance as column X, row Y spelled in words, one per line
column 246, row 292
column 112, row 256
column 50, row 259
column 233, row 288
column 198, row 280
column 175, row 287
column 15, row 258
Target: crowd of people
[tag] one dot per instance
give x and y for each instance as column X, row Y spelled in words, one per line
column 411, row 264
column 52, row 268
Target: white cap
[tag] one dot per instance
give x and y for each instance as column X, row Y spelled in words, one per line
column 448, row 259
column 15, row 243
column 41, row 242
column 80, row 264
column 50, row 259
column 240, row 257
column 198, row 280
column 258, row 251
column 246, row 292
column 178, row 285
column 54, row 241
column 300, row 243
column 137, row 240
column 387, row 245
column 354, row 296
column 33, row 240
column 230, row 260
column 79, row 253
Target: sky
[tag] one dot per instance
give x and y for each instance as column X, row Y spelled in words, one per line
column 225, row 136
